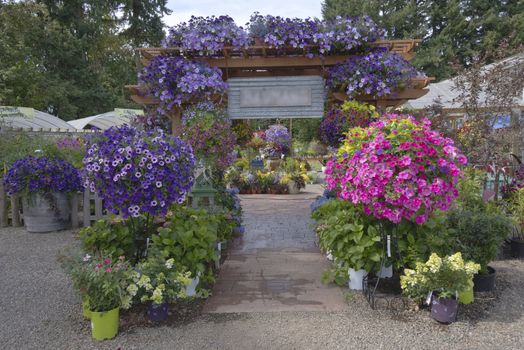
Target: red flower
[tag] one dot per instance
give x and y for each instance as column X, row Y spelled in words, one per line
column 107, row 261
column 109, row 269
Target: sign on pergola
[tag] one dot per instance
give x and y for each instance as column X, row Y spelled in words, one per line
column 264, row 83
column 276, row 97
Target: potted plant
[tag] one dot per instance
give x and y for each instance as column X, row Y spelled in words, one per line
column 189, row 236
column 352, row 239
column 442, row 279
column 477, row 229
column 158, row 282
column 139, row 175
column 44, row 184
column 103, row 283
column 517, row 210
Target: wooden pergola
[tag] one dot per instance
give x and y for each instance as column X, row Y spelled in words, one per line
column 264, row 61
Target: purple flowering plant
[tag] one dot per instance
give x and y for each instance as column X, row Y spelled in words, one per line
column 209, row 132
column 278, row 140
column 175, row 80
column 138, row 172
column 377, row 73
column 339, row 119
column 207, row 35
column 42, row 175
column 340, row 34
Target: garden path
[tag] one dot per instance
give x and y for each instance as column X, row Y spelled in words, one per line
column 275, row 265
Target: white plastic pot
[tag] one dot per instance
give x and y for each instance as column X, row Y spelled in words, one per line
column 356, row 278
column 191, row 289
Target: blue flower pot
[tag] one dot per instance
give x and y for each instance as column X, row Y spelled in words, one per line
column 157, row 312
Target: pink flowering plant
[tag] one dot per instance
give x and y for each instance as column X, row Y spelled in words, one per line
column 397, row 168
column 101, row 281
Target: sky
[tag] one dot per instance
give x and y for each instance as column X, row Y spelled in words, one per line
column 240, row 10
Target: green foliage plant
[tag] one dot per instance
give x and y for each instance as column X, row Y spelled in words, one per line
column 110, row 237
column 352, row 238
column 476, row 228
column 189, row 237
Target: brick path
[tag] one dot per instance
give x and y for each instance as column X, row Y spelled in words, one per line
column 276, row 265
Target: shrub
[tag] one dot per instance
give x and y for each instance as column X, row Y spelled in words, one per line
column 108, row 237
column 447, row 276
column 189, row 237
column 158, row 280
column 352, row 238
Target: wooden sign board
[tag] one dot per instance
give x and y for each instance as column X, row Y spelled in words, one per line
column 276, row 97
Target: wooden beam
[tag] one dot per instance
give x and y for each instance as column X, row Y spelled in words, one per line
column 176, row 121
column 405, row 94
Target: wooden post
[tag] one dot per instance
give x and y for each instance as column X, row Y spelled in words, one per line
column 15, row 208
column 98, row 207
column 176, row 121
column 3, row 205
column 86, row 220
column 74, row 210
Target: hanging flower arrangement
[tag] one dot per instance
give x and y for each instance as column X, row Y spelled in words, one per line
column 209, row 132
column 207, row 36
column 176, row 80
column 138, row 172
column 397, row 168
column 377, row 73
column 339, row 119
column 278, row 141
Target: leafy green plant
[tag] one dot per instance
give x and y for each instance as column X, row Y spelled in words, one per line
column 476, row 228
column 448, row 276
column 478, row 234
column 188, row 236
column 352, row 237
column 101, row 280
column 110, row 237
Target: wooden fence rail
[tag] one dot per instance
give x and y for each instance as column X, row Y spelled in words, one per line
column 86, row 208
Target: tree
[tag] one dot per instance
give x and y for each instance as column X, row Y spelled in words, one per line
column 72, row 58
column 453, row 31
column 144, row 20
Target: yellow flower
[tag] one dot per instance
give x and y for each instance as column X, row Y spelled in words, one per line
column 157, row 296
column 434, row 263
column 126, row 302
column 456, row 262
column 169, row 263
column 132, row 289
column 143, row 281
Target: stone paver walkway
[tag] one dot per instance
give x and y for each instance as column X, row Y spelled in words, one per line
column 276, row 265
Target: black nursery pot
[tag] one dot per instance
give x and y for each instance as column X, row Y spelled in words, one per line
column 517, row 248
column 484, row 283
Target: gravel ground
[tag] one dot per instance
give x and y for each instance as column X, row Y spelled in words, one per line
column 38, row 310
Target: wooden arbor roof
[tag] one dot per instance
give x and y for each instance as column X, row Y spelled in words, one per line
column 262, row 60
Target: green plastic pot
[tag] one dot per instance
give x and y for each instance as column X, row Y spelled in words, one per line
column 86, row 312
column 104, row 325
column 466, row 296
